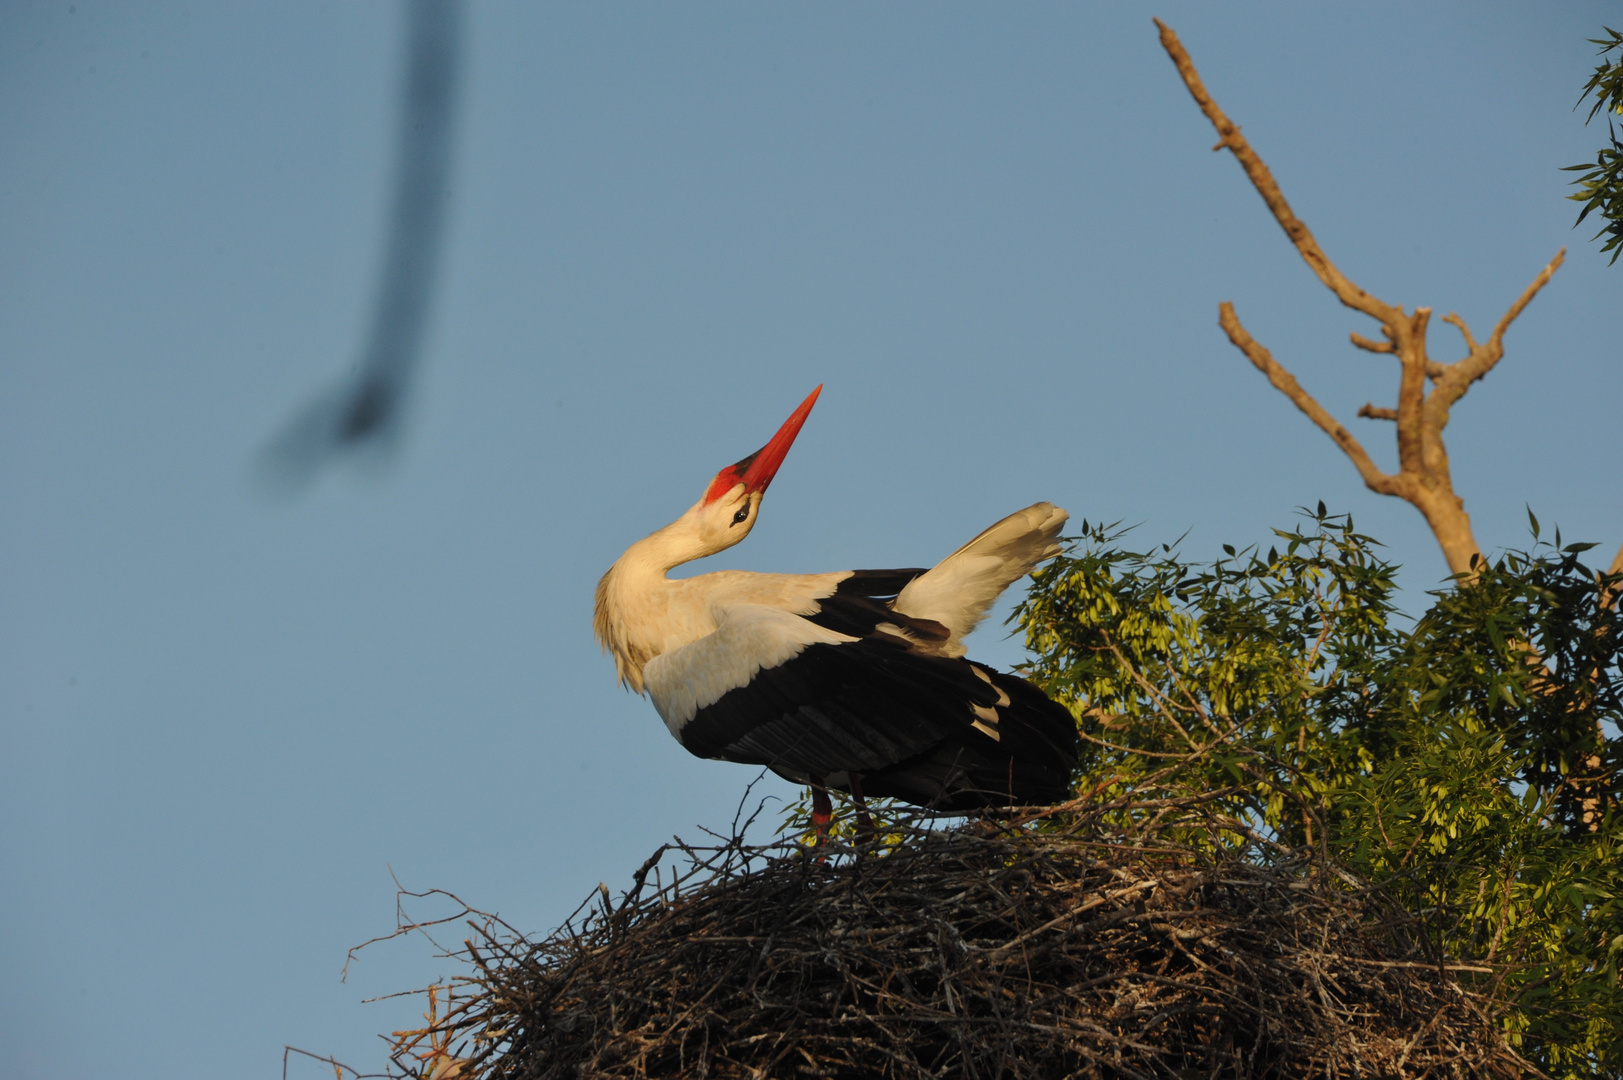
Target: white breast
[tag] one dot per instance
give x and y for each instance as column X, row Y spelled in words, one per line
column 748, row 638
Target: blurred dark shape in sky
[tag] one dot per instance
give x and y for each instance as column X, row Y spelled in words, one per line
column 366, row 410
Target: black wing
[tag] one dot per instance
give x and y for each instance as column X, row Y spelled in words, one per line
column 906, row 722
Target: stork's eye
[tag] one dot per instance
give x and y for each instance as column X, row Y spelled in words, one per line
column 743, row 512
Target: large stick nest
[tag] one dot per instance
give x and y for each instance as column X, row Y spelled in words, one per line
column 1048, row 950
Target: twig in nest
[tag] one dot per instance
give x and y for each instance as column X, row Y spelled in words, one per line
column 1075, row 942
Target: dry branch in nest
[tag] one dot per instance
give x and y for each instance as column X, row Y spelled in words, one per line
column 1044, row 950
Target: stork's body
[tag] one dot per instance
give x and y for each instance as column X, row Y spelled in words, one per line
column 853, row 679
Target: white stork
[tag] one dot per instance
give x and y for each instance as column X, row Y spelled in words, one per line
column 854, row 679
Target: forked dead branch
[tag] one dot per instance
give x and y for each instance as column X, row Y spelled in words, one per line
column 1423, row 478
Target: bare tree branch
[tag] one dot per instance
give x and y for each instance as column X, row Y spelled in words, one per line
column 1465, row 331
column 1423, row 478
column 1528, row 294
column 1286, row 383
column 1263, row 180
column 1413, row 449
column 1458, row 377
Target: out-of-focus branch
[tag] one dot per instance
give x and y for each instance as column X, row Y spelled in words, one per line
column 1423, row 478
column 366, row 409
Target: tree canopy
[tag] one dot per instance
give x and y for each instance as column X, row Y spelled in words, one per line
column 1466, row 761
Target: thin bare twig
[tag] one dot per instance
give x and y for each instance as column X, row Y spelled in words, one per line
column 1459, row 376
column 1465, row 331
column 1286, row 383
column 1263, row 180
column 338, row 1067
column 405, row 925
column 1162, row 705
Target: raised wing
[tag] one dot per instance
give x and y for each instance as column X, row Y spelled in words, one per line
column 959, row 590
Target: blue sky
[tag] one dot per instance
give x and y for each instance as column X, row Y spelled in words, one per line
column 997, row 236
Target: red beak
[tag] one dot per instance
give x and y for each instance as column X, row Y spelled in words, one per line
column 756, row 471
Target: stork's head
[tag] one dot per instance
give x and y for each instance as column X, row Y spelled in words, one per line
column 727, row 512
column 716, row 522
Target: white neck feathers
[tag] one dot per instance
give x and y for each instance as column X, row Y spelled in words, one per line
column 634, row 597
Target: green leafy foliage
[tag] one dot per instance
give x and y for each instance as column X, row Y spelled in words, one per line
column 1466, row 762
column 1600, row 189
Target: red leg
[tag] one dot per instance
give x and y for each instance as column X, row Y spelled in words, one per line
column 865, row 832
column 822, row 809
